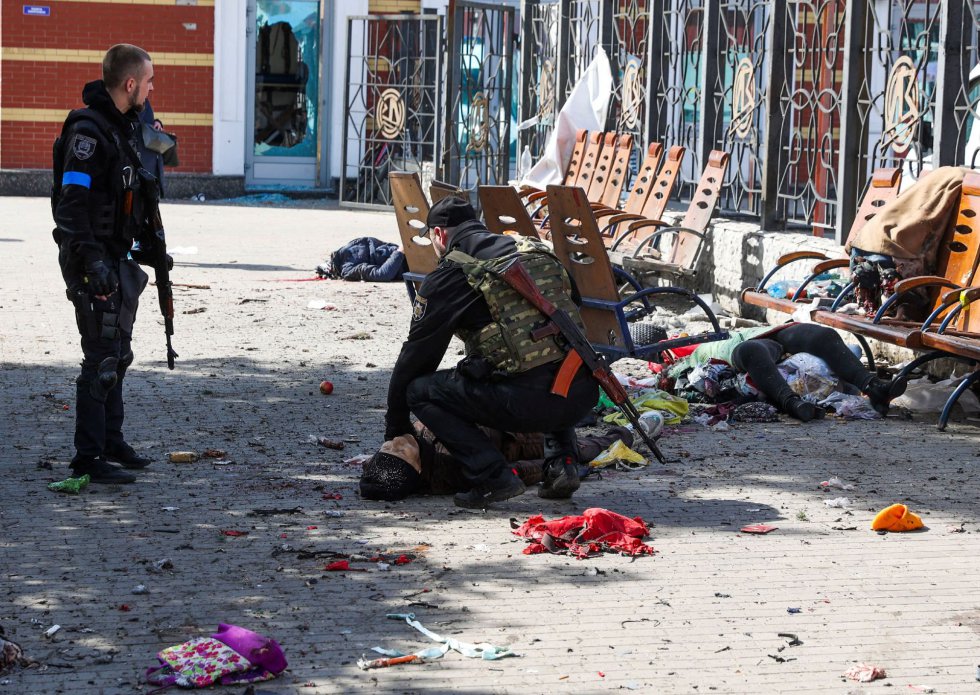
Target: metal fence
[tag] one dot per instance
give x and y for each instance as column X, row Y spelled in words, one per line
column 393, row 103
column 480, row 41
column 808, row 96
column 539, row 73
column 430, row 95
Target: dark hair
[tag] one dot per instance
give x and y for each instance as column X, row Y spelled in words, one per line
column 388, row 477
column 121, row 62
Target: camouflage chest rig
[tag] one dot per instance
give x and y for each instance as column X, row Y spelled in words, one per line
column 510, row 343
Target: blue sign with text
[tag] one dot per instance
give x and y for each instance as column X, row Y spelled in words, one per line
column 37, row 10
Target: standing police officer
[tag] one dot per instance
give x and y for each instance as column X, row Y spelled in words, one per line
column 96, row 209
column 507, row 378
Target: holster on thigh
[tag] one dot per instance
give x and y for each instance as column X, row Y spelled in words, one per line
column 92, row 323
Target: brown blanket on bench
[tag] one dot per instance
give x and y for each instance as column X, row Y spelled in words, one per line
column 911, row 226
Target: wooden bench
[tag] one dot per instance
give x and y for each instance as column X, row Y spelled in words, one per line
column 504, row 213
column 953, row 327
column 883, row 187
column 650, row 201
column 636, row 249
column 610, row 319
column 411, row 212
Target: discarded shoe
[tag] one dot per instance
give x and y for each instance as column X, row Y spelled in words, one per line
column 502, row 487
column 896, row 518
column 100, row 471
column 127, row 456
column 881, row 392
column 561, row 479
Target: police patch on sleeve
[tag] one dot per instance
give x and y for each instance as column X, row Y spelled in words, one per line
column 83, row 146
column 418, row 308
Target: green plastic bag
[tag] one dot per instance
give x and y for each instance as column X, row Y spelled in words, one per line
column 70, row 485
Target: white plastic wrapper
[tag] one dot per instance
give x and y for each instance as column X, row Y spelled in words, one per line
column 586, row 108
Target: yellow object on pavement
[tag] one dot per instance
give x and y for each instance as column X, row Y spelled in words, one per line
column 620, row 456
column 673, row 407
column 896, row 518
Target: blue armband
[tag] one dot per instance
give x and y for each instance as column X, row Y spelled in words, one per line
column 76, row 178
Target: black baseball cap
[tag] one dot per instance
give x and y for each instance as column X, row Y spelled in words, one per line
column 451, row 211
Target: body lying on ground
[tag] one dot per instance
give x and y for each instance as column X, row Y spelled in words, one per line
column 756, row 352
column 421, row 465
column 367, row 259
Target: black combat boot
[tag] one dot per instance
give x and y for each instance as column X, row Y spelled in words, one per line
column 126, row 455
column 561, row 479
column 802, row 410
column 501, row 487
column 881, row 392
column 100, row 471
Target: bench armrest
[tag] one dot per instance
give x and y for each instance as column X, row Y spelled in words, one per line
column 957, row 299
column 909, row 284
column 788, row 258
column 667, row 230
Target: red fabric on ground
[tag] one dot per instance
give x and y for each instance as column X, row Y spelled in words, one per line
column 595, row 531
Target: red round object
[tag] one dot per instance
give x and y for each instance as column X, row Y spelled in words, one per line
column 326, row 388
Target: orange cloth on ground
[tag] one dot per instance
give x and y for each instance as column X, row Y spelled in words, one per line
column 896, row 518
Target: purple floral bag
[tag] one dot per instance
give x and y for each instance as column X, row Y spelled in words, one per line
column 231, row 655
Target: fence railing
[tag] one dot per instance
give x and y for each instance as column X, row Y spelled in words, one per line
column 808, row 96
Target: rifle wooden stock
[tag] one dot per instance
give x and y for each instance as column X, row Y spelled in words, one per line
column 518, row 278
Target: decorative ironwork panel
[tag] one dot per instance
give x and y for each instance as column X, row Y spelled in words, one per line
column 481, row 65
column 584, row 23
column 393, row 103
column 809, row 99
column 675, row 91
column 739, row 95
column 966, row 104
column 630, row 61
column 539, row 73
column 895, row 100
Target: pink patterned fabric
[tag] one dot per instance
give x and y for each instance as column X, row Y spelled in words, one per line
column 232, row 655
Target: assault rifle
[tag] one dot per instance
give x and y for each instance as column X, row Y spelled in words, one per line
column 153, row 249
column 518, row 278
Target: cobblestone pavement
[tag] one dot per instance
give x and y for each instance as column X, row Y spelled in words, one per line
column 704, row 614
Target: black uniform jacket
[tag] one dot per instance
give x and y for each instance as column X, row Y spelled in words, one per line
column 444, row 304
column 87, row 213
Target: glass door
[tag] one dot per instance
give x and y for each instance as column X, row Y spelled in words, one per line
column 284, row 120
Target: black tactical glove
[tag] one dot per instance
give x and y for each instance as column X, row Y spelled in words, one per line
column 170, row 262
column 101, row 279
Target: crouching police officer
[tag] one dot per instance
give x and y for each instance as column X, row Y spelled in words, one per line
column 507, row 379
column 96, row 206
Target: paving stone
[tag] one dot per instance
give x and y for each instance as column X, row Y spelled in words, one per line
column 702, row 615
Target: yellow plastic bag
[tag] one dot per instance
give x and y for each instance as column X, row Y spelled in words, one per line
column 674, row 408
column 620, row 456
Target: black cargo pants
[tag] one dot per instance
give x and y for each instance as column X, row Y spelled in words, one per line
column 451, row 405
column 106, row 330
